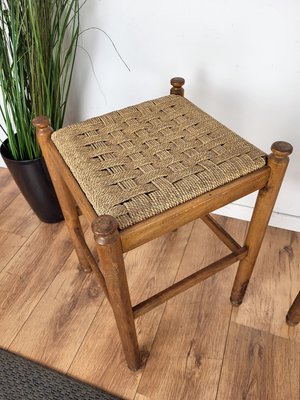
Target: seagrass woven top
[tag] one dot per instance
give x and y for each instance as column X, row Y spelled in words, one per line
column 142, row 160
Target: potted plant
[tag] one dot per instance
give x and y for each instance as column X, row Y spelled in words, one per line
column 38, row 40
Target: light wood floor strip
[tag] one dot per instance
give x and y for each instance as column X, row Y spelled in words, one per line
column 259, row 365
column 18, row 218
column 72, row 301
column 8, row 189
column 10, row 243
column 27, row 276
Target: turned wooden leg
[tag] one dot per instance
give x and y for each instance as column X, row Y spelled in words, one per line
column 110, row 253
column 67, row 203
column 293, row 316
column 177, row 88
column 278, row 162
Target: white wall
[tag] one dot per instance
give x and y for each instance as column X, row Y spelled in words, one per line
column 240, row 59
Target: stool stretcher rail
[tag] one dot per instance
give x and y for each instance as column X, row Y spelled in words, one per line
column 221, row 233
column 188, row 282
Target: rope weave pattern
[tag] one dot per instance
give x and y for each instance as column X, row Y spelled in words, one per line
column 140, row 161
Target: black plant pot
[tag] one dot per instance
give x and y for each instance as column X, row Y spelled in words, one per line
column 33, row 180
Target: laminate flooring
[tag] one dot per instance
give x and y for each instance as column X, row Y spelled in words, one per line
column 200, row 346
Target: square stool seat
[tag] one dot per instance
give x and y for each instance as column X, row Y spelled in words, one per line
column 142, row 160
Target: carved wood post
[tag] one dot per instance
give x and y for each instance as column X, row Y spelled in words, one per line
column 67, row 203
column 110, row 253
column 278, row 162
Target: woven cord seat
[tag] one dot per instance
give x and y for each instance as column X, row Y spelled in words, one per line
column 146, row 170
column 142, row 160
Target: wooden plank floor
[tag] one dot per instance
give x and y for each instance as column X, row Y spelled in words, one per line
column 200, row 347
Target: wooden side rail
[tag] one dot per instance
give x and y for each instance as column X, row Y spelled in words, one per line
column 175, row 217
column 221, row 233
column 188, row 282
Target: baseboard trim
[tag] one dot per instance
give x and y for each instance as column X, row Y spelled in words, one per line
column 279, row 220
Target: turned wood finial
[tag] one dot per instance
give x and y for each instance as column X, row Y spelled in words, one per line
column 41, row 122
column 177, row 84
column 281, row 149
column 105, row 229
column 42, row 126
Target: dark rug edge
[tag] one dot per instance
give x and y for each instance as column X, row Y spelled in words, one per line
column 18, row 362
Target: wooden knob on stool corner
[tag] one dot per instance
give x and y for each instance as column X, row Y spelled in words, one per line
column 177, row 84
column 41, row 122
column 281, row 149
column 43, row 128
column 105, row 228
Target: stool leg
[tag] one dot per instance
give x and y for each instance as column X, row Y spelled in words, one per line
column 278, row 162
column 66, row 201
column 293, row 315
column 70, row 213
column 110, row 253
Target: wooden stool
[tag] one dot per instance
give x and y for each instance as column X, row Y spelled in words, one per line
column 146, row 170
column 293, row 315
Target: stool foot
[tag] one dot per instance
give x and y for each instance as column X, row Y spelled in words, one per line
column 83, row 268
column 291, row 323
column 238, row 293
column 293, row 315
column 235, row 303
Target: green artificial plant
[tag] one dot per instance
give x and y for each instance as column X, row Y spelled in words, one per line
column 38, row 41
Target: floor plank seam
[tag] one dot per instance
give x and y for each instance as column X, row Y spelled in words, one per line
column 269, row 332
column 42, row 295
column 85, row 335
column 225, row 346
column 24, row 214
column 13, row 199
column 15, row 254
